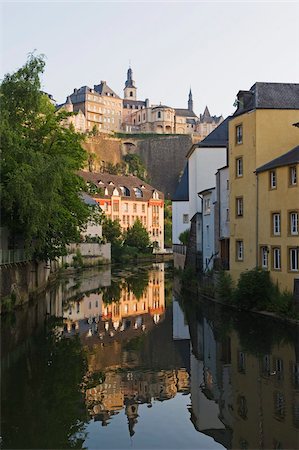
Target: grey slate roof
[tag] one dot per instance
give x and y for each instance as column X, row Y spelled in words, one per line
column 87, row 199
column 104, row 89
column 182, row 191
column 268, row 96
column 287, row 159
column 133, row 102
column 218, row 137
column 184, row 112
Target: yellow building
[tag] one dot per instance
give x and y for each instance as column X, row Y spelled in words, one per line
column 278, row 218
column 126, row 198
column 259, row 131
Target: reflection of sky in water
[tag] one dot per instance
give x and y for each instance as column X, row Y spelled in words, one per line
column 165, row 425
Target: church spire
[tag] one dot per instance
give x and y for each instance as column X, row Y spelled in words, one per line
column 130, row 90
column 129, row 82
column 190, row 101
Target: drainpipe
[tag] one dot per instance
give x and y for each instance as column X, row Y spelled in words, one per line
column 257, row 221
column 201, row 198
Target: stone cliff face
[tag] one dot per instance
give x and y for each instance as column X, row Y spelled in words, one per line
column 163, row 156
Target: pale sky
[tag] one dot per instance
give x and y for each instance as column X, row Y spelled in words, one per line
column 218, row 48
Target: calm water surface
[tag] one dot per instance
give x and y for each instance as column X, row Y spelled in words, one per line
column 122, row 361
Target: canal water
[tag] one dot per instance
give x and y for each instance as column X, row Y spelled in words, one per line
column 123, row 360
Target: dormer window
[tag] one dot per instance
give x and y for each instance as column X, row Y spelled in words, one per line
column 100, row 182
column 138, row 193
column 115, row 192
column 111, row 183
column 106, row 191
column 155, row 195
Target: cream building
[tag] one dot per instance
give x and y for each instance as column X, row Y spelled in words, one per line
column 126, row 198
column 77, row 119
column 101, row 106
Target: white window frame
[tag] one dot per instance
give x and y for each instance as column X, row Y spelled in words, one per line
column 185, row 218
column 293, row 176
column 294, row 259
column 276, row 224
column 273, row 180
column 240, row 250
column 239, row 167
column 276, row 258
column 240, row 207
column 207, row 205
column 294, row 223
column 264, row 257
column 239, row 134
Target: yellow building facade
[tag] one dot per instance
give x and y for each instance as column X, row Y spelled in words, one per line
column 278, row 218
column 260, row 130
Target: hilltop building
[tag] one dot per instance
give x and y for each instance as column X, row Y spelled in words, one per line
column 106, row 112
column 126, row 198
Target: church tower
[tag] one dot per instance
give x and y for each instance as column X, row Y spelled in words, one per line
column 190, row 101
column 130, row 90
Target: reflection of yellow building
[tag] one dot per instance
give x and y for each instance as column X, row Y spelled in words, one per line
column 265, row 398
column 259, row 131
column 152, row 302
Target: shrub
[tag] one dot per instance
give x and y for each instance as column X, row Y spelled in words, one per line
column 255, row 289
column 224, row 287
column 184, row 237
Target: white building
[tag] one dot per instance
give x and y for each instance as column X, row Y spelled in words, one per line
column 208, row 230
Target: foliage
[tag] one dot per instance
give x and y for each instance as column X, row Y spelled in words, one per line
column 138, row 283
column 111, row 230
column 77, row 260
column 42, row 382
column 40, row 160
column 115, row 169
column 112, row 293
column 224, row 286
column 184, row 237
column 137, row 236
column 254, row 289
column 92, row 157
column 135, row 166
column 168, row 223
column 92, row 188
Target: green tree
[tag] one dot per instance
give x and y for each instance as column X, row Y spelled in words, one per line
column 135, row 166
column 137, row 236
column 40, row 160
column 111, row 230
column 184, row 237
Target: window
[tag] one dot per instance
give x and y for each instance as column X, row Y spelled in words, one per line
column 143, row 208
column 276, row 254
column 115, row 206
column 134, row 207
column 276, row 224
column 279, row 405
column 239, row 167
column 294, row 259
column 185, row 218
column 239, row 206
column 124, row 219
column 264, row 257
column 239, row 250
column 126, row 207
column 207, row 206
column 227, row 215
column 241, row 362
column 273, row 184
column 159, row 114
column 131, row 93
column 239, row 134
column 294, row 223
column 293, row 176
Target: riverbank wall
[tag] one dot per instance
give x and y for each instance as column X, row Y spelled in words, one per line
column 20, row 280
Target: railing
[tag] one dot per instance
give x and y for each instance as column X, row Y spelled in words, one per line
column 12, row 256
column 179, row 248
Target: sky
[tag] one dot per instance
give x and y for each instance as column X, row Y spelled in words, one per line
column 217, row 48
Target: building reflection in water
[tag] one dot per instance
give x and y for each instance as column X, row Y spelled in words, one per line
column 244, row 380
column 120, row 326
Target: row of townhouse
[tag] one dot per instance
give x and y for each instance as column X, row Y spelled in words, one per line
column 239, row 194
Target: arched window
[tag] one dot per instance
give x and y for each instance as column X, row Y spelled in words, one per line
column 138, row 192
column 131, row 93
column 159, row 115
